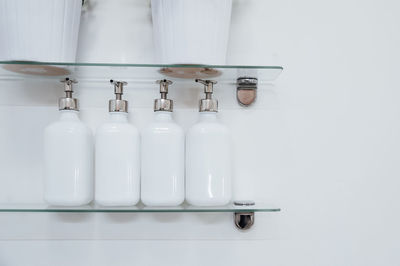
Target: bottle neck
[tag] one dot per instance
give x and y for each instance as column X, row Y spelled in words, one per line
column 208, row 117
column 121, row 117
column 163, row 116
column 69, row 115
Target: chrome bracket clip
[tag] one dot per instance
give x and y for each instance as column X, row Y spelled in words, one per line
column 244, row 220
column 246, row 90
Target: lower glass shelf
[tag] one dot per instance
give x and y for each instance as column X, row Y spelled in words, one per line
column 139, row 208
column 93, row 72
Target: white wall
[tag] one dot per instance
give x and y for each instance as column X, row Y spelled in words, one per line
column 322, row 144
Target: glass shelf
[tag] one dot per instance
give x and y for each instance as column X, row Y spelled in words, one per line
column 92, row 72
column 139, row 208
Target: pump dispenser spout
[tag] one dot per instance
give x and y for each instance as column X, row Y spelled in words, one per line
column 117, row 104
column 163, row 104
column 208, row 104
column 67, row 102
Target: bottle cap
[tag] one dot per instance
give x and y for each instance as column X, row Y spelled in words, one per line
column 67, row 102
column 163, row 104
column 117, row 104
column 208, row 104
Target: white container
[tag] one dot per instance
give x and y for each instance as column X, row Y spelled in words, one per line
column 117, row 31
column 163, row 157
column 117, row 157
column 68, row 157
column 191, row 31
column 208, row 158
column 39, row 30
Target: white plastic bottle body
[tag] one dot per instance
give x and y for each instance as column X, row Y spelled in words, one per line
column 68, row 156
column 208, row 162
column 117, row 162
column 163, row 162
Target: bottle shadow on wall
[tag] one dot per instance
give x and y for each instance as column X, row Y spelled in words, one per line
column 211, row 218
column 121, row 218
column 68, row 217
column 166, row 217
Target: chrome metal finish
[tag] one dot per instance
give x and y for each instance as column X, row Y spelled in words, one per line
column 67, row 102
column 117, row 104
column 246, row 90
column 208, row 85
column 208, row 104
column 244, row 220
column 163, row 104
column 164, row 83
column 244, row 203
column 247, row 82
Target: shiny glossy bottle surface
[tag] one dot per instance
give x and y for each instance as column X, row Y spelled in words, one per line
column 163, row 149
column 117, row 162
column 208, row 162
column 68, row 157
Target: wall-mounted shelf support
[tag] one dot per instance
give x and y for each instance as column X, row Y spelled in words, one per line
column 244, row 220
column 246, row 90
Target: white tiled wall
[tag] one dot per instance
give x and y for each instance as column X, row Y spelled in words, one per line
column 322, row 143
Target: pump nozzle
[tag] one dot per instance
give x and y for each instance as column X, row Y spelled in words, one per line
column 67, row 102
column 117, row 104
column 164, row 83
column 163, row 104
column 208, row 104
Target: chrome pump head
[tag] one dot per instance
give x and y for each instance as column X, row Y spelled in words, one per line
column 117, row 104
column 67, row 102
column 208, row 104
column 163, row 104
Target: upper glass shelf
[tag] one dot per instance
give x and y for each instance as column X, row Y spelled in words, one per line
column 140, row 208
column 93, row 72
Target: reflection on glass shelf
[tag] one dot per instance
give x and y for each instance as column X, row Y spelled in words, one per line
column 138, row 72
column 139, row 208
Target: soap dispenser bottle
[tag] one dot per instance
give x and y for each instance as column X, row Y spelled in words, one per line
column 68, row 156
column 208, row 156
column 117, row 156
column 163, row 156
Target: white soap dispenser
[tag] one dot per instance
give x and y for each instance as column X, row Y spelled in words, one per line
column 163, row 156
column 117, row 156
column 68, row 156
column 208, row 156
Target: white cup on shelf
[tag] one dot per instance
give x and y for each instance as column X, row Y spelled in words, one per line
column 39, row 30
column 191, row 31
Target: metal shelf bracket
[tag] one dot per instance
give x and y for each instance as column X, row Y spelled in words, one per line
column 246, row 90
column 244, row 220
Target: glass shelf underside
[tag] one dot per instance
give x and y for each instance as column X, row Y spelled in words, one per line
column 133, row 72
column 139, row 208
